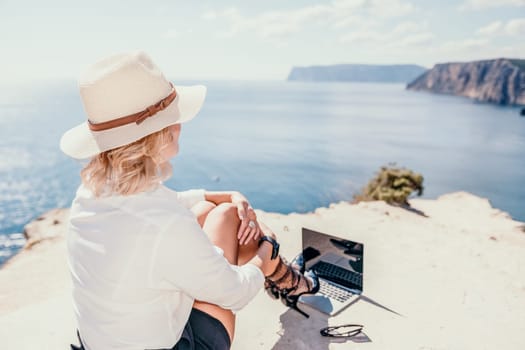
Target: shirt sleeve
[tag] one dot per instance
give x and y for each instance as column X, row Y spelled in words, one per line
column 191, row 197
column 185, row 259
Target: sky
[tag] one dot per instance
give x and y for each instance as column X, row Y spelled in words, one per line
column 252, row 40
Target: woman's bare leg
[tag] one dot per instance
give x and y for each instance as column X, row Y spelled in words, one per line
column 246, row 251
column 221, row 223
column 201, row 211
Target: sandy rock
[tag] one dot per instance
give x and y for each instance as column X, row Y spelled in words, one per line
column 39, row 271
column 449, row 279
column 47, row 226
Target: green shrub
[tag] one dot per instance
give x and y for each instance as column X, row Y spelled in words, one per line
column 393, row 185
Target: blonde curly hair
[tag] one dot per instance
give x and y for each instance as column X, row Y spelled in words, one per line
column 129, row 169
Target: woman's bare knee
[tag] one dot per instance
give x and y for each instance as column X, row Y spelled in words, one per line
column 227, row 210
column 225, row 214
column 222, row 225
column 201, row 210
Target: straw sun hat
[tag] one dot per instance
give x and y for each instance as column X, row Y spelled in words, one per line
column 126, row 97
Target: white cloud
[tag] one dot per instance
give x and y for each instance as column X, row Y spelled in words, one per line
column 472, row 50
column 209, row 15
column 490, row 29
column 416, row 39
column 339, row 13
column 391, row 8
column 375, row 8
column 270, row 24
column 484, row 45
column 408, row 27
column 171, row 33
column 484, row 4
column 311, row 13
column 404, row 34
column 366, row 37
column 349, row 4
column 516, row 27
column 461, row 47
column 349, row 21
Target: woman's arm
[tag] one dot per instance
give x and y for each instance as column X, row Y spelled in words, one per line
column 246, row 213
column 184, row 258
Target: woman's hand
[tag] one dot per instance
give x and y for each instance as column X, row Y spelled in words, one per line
column 249, row 228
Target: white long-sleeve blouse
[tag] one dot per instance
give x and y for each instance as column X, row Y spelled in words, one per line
column 137, row 264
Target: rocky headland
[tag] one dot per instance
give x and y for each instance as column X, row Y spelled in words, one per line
column 401, row 73
column 448, row 274
column 500, row 81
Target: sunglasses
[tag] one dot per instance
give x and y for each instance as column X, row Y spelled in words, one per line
column 343, row 331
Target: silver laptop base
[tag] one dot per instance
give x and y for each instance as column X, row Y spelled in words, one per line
column 331, row 298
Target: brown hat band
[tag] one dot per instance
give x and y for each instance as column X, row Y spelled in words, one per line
column 138, row 117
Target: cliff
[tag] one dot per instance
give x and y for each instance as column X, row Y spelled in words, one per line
column 425, row 278
column 357, row 73
column 500, row 81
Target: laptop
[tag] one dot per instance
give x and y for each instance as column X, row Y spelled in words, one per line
column 338, row 263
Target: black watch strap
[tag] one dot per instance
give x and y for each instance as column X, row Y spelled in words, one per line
column 275, row 245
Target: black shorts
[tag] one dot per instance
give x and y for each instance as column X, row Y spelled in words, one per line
column 202, row 332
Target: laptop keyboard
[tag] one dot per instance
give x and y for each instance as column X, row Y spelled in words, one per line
column 334, row 292
column 338, row 274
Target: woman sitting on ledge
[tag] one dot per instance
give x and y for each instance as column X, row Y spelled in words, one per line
column 153, row 268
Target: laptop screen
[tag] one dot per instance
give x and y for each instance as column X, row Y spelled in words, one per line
column 333, row 258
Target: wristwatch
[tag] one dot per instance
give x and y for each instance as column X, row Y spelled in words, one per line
column 275, row 245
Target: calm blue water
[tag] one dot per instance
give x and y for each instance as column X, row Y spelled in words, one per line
column 287, row 146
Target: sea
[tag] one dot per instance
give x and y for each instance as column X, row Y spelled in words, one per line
column 288, row 146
